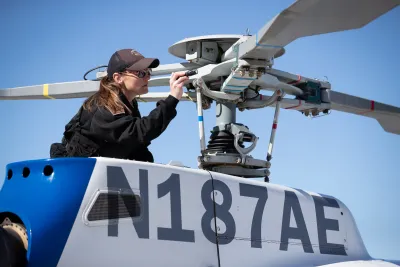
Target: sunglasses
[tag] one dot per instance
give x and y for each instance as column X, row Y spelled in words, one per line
column 140, row 73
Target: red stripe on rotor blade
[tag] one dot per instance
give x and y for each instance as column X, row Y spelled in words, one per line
column 295, row 82
column 372, row 108
column 274, row 126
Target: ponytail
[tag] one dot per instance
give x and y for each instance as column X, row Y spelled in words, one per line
column 107, row 96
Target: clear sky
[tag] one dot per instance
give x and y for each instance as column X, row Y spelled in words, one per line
column 342, row 155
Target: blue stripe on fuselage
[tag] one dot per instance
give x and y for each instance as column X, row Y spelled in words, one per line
column 48, row 205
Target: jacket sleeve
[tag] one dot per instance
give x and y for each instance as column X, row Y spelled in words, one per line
column 128, row 130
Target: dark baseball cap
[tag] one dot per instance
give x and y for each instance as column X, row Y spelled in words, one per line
column 129, row 59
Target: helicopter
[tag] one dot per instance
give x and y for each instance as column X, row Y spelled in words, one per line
column 128, row 210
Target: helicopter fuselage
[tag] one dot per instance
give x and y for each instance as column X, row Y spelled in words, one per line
column 107, row 212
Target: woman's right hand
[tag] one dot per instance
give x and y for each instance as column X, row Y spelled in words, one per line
column 176, row 83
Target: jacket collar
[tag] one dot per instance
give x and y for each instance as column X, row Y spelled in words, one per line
column 131, row 105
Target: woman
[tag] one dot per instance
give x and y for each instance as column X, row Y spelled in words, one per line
column 109, row 123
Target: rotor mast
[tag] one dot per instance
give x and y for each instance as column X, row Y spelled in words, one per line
column 226, row 151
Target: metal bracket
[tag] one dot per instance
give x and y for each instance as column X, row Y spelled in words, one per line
column 244, row 151
column 240, row 132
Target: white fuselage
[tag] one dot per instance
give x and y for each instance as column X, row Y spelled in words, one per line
column 260, row 224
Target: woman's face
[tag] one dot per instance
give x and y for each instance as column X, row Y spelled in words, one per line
column 135, row 82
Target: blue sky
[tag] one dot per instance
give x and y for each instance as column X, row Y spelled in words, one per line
column 347, row 156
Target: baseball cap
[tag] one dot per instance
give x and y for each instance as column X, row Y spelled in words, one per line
column 129, row 59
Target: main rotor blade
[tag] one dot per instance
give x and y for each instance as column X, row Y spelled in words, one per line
column 388, row 116
column 78, row 89
column 307, row 18
column 159, row 81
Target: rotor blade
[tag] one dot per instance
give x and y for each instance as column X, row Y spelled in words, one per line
column 175, row 67
column 307, row 18
column 82, row 89
column 388, row 116
column 159, row 81
column 79, row 89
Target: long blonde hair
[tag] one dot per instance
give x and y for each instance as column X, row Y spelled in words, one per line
column 107, row 96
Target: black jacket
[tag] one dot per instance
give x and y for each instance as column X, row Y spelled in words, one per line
column 123, row 135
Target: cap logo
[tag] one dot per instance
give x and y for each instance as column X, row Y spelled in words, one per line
column 135, row 53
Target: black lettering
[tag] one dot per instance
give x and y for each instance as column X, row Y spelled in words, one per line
column 208, row 204
column 261, row 193
column 175, row 233
column 221, row 212
column 301, row 233
column 116, row 179
column 325, row 224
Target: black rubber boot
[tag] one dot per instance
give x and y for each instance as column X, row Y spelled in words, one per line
column 12, row 251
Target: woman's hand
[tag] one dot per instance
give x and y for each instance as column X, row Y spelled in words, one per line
column 176, row 83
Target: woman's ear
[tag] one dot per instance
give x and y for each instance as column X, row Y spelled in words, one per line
column 118, row 78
